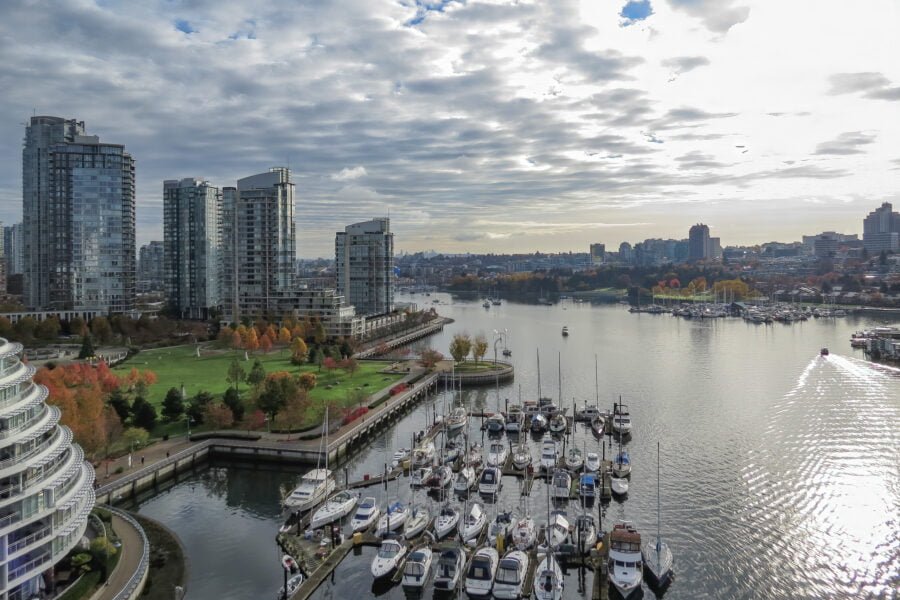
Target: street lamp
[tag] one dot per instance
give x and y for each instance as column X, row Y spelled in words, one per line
column 190, row 421
column 497, row 338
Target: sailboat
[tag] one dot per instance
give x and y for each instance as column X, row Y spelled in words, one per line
column 548, row 580
column 655, row 552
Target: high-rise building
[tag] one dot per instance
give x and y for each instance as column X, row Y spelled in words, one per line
column 698, row 242
column 626, row 252
column 364, row 266
column 191, row 213
column 151, row 267
column 598, row 254
column 714, row 249
column 881, row 229
column 40, row 219
column 228, row 233
column 48, row 488
column 265, row 250
column 12, row 249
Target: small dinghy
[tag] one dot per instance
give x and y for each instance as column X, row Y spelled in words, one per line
column 446, row 521
column 419, row 518
column 293, row 584
column 470, row 527
column 390, row 553
column 449, row 568
column 366, row 513
column 417, row 568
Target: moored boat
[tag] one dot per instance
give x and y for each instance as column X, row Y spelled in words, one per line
column 449, row 568
column 423, row 455
column 464, row 481
column 366, row 513
column 592, row 462
column 625, row 564
column 446, row 521
column 417, row 568
column 548, row 453
column 490, row 481
column 574, row 459
column 337, row 507
column 457, row 421
column 440, row 478
column 619, row 486
column 621, row 420
column 390, row 553
column 497, row 454
column 558, row 529
column 495, row 423
column 587, row 487
column 482, row 569
column 472, row 523
column 558, row 423
column 561, row 485
column 393, row 519
column 419, row 476
column 524, row 534
column 622, row 464
column 521, row 457
column 510, row 577
column 548, row 580
column 419, row 518
column 314, row 487
column 585, row 533
column 500, row 525
column 293, row 584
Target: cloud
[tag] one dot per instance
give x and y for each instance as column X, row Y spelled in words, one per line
column 717, row 15
column 872, row 84
column 347, row 173
column 850, row 142
column 683, row 64
column 698, row 160
column 634, row 11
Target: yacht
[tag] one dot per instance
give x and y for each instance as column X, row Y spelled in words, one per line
column 486, row 304
column 574, row 459
column 337, row 507
column 548, row 580
column 585, row 533
column 419, row 518
column 622, row 464
column 393, row 519
column 524, row 533
column 464, row 481
column 314, row 487
column 621, row 420
column 497, row 454
column 423, row 455
column 449, row 566
column 490, row 481
column 592, row 462
column 561, row 485
column 625, row 564
column 419, row 476
column 558, row 423
column 511, row 575
column 548, row 454
column 417, row 568
column 482, row 569
column 521, row 457
column 587, row 487
column 655, row 552
column 558, row 529
column 293, row 584
column 366, row 513
column 457, row 421
column 495, row 423
column 588, row 413
column 470, row 527
column 390, row 553
column 501, row 524
column 446, row 521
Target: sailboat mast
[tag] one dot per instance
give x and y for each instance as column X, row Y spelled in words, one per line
column 596, row 382
column 657, row 504
column 559, row 376
column 538, row 351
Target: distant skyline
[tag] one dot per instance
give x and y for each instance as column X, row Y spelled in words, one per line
column 481, row 126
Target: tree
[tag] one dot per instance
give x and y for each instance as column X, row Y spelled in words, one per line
column 235, row 374
column 87, row 347
column 218, row 416
column 479, row 348
column 460, row 346
column 135, row 437
column 307, row 381
column 299, row 351
column 349, row 365
column 265, row 343
column 277, row 389
column 430, row 357
column 101, row 329
column 284, row 336
column 237, row 342
column 330, row 365
column 196, row 409
column 346, row 350
column 173, row 405
column 143, row 414
column 77, row 327
column 48, row 329
column 251, row 343
column 120, row 404
column 232, row 399
column 319, row 332
column 257, row 374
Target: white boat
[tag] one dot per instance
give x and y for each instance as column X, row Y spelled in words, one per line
column 482, row 569
column 538, row 423
column 521, row 457
column 400, row 456
column 497, row 454
column 561, row 485
column 471, row 525
column 548, row 581
column 490, row 481
column 419, row 476
column 621, row 423
column 486, row 304
column 587, row 413
column 446, row 521
column 474, row 456
column 598, row 425
column 625, row 565
column 366, row 513
column 423, row 455
column 558, row 423
column 450, row 566
column 419, row 518
column 622, row 464
column 393, row 519
column 587, row 487
column 451, row 453
column 390, row 553
column 558, row 529
column 337, row 507
column 501, row 524
column 464, row 481
column 495, row 423
column 440, row 478
column 524, row 533
column 619, row 486
column 314, row 487
column 592, row 462
column 293, row 584
column 574, row 459
column 655, row 552
column 585, row 534
column 548, row 454
column 514, row 418
column 510, row 576
column 457, row 421
column 417, row 568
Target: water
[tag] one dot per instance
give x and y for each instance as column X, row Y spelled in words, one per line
column 780, row 469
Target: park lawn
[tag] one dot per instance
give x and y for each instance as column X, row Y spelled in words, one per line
column 179, row 365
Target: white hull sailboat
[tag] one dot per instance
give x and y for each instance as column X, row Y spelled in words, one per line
column 423, row 455
column 446, row 521
column 521, row 457
column 457, row 421
column 337, row 507
column 393, row 519
column 419, row 518
column 500, row 525
column 548, row 580
column 465, row 479
column 419, row 476
column 558, row 529
column 524, row 533
column 471, row 525
column 655, row 552
column 574, row 459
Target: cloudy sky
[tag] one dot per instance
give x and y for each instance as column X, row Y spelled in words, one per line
column 482, row 125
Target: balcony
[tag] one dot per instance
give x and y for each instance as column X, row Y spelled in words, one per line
column 29, row 567
column 28, row 540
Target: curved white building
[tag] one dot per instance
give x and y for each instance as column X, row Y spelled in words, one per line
column 46, row 487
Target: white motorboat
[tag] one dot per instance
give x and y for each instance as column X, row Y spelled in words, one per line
column 390, row 553
column 574, row 459
column 474, row 456
column 366, row 513
column 524, row 533
column 501, row 524
column 625, row 564
column 470, row 527
column 337, row 507
column 451, row 453
column 417, row 568
column 592, row 462
column 548, row 453
column 293, row 584
column 449, row 568
column 457, row 421
column 510, row 576
column 393, row 519
column 495, row 423
column 587, row 487
column 446, row 521
column 598, row 425
column 621, row 423
column 423, row 455
column 521, row 457
column 558, row 529
column 548, row 580
column 618, row 486
column 514, row 418
column 490, row 481
column 419, row 518
column 419, row 476
column 561, row 485
column 558, row 423
column 482, row 569
column 622, row 464
column 400, row 456
column 440, row 478
column 585, row 535
column 314, row 487
column 497, row 454
column 538, row 423
column 587, row 413
column 465, row 479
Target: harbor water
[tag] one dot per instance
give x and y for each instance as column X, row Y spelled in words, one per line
column 780, row 469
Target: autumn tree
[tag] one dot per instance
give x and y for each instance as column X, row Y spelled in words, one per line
column 295, row 410
column 479, row 348
column 329, row 365
column 284, row 336
column 218, row 416
column 349, row 365
column 251, row 342
column 430, row 357
column 299, row 351
column 307, row 381
column 235, row 374
column 265, row 343
column 460, row 346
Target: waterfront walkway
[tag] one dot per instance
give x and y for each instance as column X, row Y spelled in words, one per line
column 130, row 560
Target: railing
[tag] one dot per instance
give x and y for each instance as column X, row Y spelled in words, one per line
column 138, row 576
column 10, row 519
column 9, row 462
column 27, row 424
column 28, row 540
column 29, row 566
column 148, row 470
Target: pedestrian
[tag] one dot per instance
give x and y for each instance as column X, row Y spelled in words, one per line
column 167, row 455
column 142, row 461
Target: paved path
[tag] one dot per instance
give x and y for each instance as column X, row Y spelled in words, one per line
column 129, row 560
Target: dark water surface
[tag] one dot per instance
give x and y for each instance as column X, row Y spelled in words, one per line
column 780, row 469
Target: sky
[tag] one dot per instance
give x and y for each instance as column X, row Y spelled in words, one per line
column 481, row 126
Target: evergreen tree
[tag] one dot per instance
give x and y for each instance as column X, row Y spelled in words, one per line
column 87, row 347
column 173, row 405
column 120, row 404
column 257, row 374
column 232, row 400
column 144, row 415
